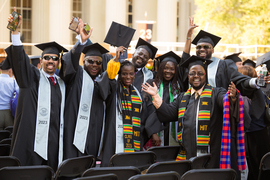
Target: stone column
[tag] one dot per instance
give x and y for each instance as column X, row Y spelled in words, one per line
column 4, row 13
column 166, row 20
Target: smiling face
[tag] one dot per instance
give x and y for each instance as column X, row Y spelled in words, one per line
column 49, row 66
column 92, row 65
column 204, row 50
column 169, row 71
column 127, row 75
column 197, row 77
column 140, row 57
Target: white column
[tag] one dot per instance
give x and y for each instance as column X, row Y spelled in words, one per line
column 40, row 23
column 4, row 13
column 59, row 19
column 186, row 10
column 166, row 20
column 116, row 10
column 139, row 7
column 93, row 13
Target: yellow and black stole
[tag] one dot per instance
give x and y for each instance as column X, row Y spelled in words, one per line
column 131, row 106
column 203, row 134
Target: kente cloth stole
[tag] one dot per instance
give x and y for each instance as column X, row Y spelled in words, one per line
column 203, row 134
column 160, row 93
column 225, row 156
column 131, row 107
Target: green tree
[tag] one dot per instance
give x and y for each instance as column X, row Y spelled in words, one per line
column 244, row 22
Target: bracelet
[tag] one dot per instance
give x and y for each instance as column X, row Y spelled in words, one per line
column 188, row 38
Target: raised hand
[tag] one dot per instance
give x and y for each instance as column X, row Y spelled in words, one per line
column 84, row 35
column 192, row 26
column 232, row 90
column 152, row 90
column 119, row 50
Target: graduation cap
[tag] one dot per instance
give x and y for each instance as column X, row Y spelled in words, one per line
column 263, row 59
column 206, row 37
column 152, row 50
column 249, row 62
column 94, row 50
column 119, row 35
column 4, row 65
column 196, row 60
column 169, row 56
column 51, row 48
column 34, row 60
column 234, row 57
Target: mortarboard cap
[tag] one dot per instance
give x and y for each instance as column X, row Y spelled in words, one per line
column 196, row 60
column 234, row 57
column 152, row 50
column 51, row 48
column 169, row 56
column 34, row 60
column 249, row 62
column 206, row 37
column 4, row 65
column 94, row 50
column 263, row 59
column 119, row 35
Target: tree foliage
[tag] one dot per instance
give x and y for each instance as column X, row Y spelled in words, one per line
column 244, row 22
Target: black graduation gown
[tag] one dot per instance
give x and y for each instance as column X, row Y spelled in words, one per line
column 169, row 112
column 72, row 74
column 27, row 77
column 138, row 81
column 227, row 72
column 109, row 88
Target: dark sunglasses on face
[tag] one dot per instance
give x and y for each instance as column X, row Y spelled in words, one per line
column 90, row 61
column 198, row 74
column 204, row 47
column 54, row 58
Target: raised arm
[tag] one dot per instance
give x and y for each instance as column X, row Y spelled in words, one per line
column 191, row 28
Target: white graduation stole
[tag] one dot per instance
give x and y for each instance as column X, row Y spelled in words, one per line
column 147, row 74
column 83, row 117
column 212, row 70
column 43, row 117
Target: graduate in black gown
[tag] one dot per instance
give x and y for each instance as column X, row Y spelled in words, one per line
column 143, row 52
column 199, row 112
column 38, row 127
column 169, row 87
column 126, row 127
column 220, row 72
column 84, row 110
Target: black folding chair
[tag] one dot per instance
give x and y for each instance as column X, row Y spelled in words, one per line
column 122, row 173
column 200, row 162
column 165, row 153
column 4, row 134
column 6, row 141
column 9, row 128
column 171, row 175
column 4, row 149
column 178, row 166
column 26, row 173
column 141, row 160
column 213, row 174
column 110, row 176
column 74, row 167
column 6, row 161
column 264, row 169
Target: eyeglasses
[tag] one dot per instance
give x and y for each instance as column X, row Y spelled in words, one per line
column 198, row 74
column 90, row 61
column 204, row 47
column 54, row 58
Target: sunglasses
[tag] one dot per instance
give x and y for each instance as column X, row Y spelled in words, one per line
column 198, row 74
column 90, row 61
column 204, row 47
column 54, row 58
